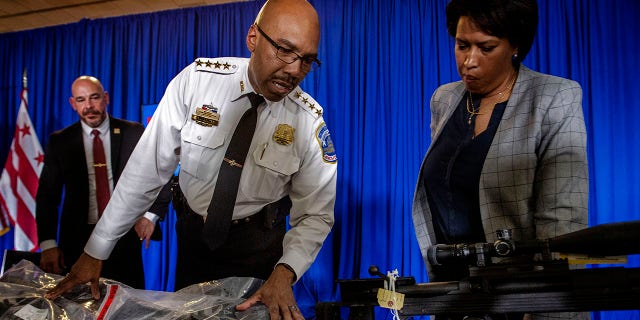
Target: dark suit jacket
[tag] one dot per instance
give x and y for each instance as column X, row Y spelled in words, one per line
column 65, row 173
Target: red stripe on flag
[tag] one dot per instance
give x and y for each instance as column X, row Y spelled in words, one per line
column 27, row 222
column 28, row 176
column 11, row 170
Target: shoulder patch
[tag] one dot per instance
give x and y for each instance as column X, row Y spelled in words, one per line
column 326, row 145
column 221, row 65
column 307, row 103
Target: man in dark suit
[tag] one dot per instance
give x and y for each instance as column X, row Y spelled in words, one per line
column 71, row 164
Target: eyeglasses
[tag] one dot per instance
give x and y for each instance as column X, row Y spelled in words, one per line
column 288, row 56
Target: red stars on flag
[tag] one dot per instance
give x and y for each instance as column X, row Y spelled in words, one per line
column 19, row 182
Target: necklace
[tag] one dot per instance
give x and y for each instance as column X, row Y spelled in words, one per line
column 499, row 94
column 471, row 108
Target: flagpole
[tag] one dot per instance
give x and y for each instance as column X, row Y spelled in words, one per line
column 24, row 78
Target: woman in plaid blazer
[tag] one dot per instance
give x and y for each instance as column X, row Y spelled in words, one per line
column 508, row 144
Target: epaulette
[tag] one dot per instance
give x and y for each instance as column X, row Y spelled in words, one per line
column 306, row 102
column 218, row 65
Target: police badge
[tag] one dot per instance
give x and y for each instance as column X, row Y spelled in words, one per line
column 284, row 134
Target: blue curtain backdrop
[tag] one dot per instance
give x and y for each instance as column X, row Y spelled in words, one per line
column 382, row 60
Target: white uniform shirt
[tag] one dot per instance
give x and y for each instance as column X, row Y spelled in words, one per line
column 305, row 169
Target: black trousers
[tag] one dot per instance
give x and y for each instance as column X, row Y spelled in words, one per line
column 253, row 248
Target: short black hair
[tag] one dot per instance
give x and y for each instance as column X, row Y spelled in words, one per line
column 514, row 20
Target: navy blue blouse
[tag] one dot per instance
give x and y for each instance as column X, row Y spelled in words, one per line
column 451, row 174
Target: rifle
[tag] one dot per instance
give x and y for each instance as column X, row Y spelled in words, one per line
column 510, row 276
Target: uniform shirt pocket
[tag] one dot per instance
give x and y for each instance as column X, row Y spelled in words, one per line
column 272, row 172
column 273, row 159
column 199, row 145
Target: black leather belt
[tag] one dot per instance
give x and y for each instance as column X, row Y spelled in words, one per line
column 269, row 214
column 256, row 218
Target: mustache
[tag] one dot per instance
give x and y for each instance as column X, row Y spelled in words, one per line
column 91, row 112
column 292, row 81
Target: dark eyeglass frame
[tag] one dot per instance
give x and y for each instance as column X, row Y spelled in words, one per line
column 290, row 56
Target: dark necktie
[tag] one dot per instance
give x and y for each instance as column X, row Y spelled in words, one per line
column 100, row 170
column 220, row 211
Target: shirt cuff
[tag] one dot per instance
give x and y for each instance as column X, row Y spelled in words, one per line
column 295, row 263
column 151, row 217
column 48, row 244
column 99, row 248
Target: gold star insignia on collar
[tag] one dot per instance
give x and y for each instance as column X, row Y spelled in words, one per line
column 208, row 64
column 199, row 63
column 226, row 65
column 217, row 65
column 307, row 102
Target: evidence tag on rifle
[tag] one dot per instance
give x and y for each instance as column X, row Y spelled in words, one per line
column 390, row 299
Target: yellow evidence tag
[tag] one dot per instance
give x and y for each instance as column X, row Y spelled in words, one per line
column 390, row 300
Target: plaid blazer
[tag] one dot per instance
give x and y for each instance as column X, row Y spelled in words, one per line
column 535, row 177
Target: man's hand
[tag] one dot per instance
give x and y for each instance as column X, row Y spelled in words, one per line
column 144, row 228
column 52, row 261
column 86, row 269
column 277, row 295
